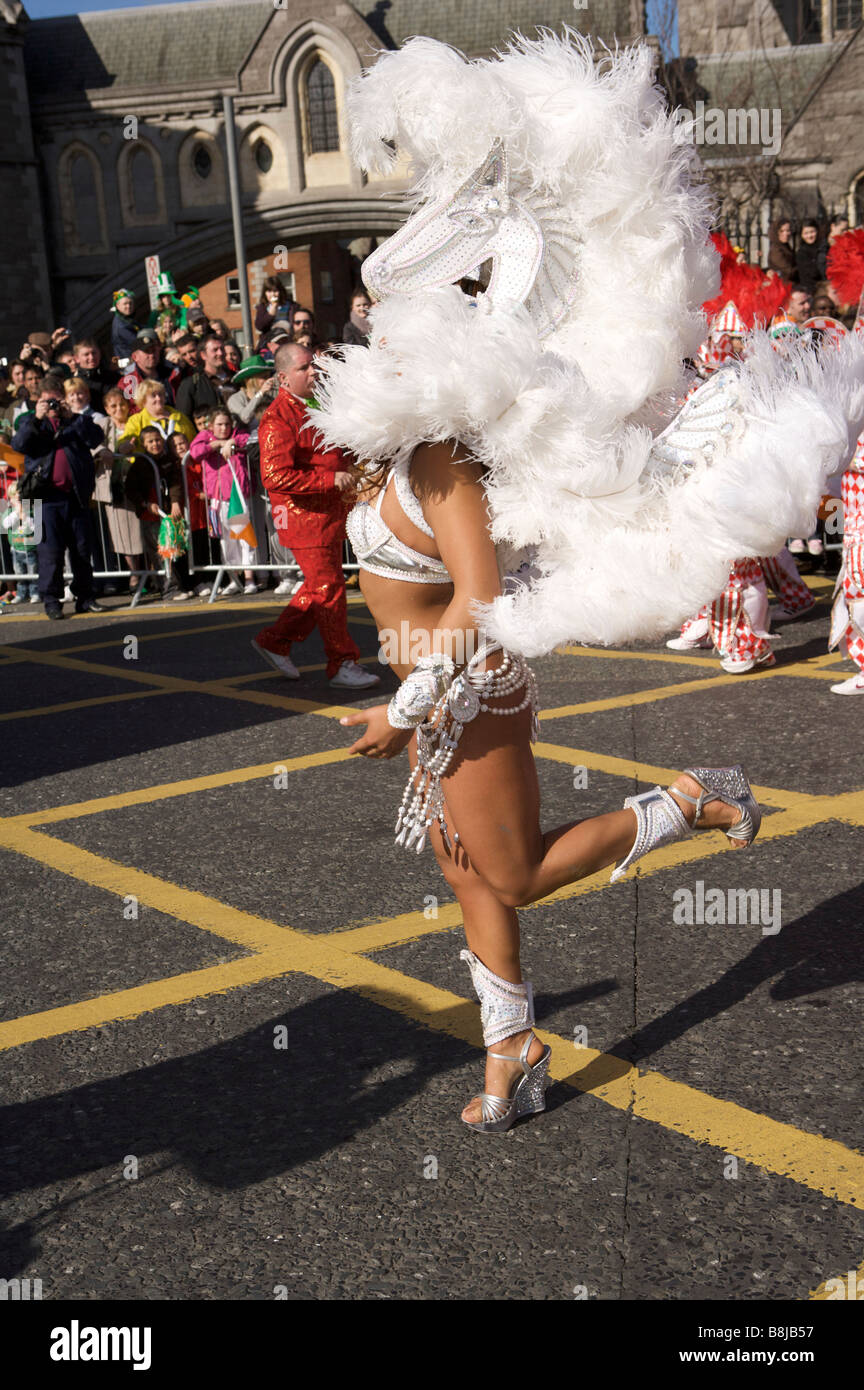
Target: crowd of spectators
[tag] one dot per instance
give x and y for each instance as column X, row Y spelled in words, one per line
column 799, row 255
column 157, row 424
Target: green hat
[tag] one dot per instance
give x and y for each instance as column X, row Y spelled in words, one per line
column 165, row 283
column 252, row 366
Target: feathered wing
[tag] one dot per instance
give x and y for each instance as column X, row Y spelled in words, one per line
column 628, row 534
column 742, row 467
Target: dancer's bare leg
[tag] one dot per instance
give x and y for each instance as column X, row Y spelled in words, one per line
column 492, row 933
column 493, row 799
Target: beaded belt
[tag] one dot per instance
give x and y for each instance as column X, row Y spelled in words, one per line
column 439, row 734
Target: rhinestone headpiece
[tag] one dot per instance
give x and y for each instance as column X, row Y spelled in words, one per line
column 533, row 253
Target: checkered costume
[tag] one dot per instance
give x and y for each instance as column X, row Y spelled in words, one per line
column 737, row 620
column 847, row 614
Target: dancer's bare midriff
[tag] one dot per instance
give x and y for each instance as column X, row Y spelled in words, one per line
column 399, row 607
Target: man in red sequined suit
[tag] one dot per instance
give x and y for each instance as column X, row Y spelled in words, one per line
column 307, row 487
column 847, row 615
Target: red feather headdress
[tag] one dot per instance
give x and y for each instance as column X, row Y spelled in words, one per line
column 846, row 266
column 756, row 296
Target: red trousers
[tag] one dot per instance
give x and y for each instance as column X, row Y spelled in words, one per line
column 320, row 603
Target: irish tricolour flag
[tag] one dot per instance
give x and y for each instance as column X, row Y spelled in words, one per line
column 239, row 522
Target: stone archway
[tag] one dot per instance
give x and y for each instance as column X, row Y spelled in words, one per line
column 208, row 251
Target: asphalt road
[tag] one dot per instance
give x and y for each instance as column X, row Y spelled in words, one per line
column 237, row 1034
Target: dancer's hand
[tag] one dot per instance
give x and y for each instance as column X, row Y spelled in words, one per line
column 380, row 740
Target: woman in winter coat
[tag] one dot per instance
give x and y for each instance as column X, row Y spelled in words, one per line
column 781, row 250
column 811, row 257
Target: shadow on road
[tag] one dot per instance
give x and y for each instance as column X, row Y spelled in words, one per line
column 239, row 1112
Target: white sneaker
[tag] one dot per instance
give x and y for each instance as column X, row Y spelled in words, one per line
column 19, row 598
column 738, row 666
column 853, row 686
column 354, row 677
column 689, row 644
column 34, row 598
column 815, row 546
column 251, row 588
column 283, row 664
column 202, row 590
column 797, row 547
column 68, row 596
column 285, row 587
column 232, row 588
column 183, row 596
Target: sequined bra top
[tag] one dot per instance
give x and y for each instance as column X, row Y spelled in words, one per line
column 376, row 547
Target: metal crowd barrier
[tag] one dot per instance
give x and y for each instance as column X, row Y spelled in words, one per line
column 261, row 517
column 110, row 569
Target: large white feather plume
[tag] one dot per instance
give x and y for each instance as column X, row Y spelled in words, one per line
column 624, row 546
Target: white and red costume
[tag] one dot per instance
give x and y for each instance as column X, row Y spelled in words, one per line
column 847, row 614
column 737, row 621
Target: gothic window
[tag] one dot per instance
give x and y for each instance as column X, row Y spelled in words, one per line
column 85, row 200
column 323, row 119
column 145, row 196
column 263, row 157
column 847, row 14
column 202, row 163
column 802, row 19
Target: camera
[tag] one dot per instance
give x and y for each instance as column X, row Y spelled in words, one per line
column 53, row 403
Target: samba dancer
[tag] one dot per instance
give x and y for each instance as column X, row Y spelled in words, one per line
column 513, row 493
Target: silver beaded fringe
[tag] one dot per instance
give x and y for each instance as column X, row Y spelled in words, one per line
column 439, row 734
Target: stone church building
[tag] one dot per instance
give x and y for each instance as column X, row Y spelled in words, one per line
column 801, row 63
column 113, row 141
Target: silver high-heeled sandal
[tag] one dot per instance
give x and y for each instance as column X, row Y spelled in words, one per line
column 727, row 784
column 499, row 1114
column 660, row 820
column 507, row 1008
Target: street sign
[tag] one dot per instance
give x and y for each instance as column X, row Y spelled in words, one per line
column 151, row 266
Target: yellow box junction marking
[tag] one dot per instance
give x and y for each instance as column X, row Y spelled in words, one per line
column 818, row 1163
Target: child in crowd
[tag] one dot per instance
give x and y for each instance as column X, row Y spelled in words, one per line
column 199, row 546
column 18, row 524
column 154, row 485
column 221, row 449
column 124, row 526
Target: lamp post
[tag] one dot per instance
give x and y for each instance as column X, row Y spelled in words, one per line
column 237, row 219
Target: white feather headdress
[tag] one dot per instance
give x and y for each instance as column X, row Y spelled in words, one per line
column 559, row 394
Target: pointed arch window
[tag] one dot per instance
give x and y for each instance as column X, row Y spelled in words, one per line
column 321, row 111
column 145, row 195
column 202, row 162
column 85, row 201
